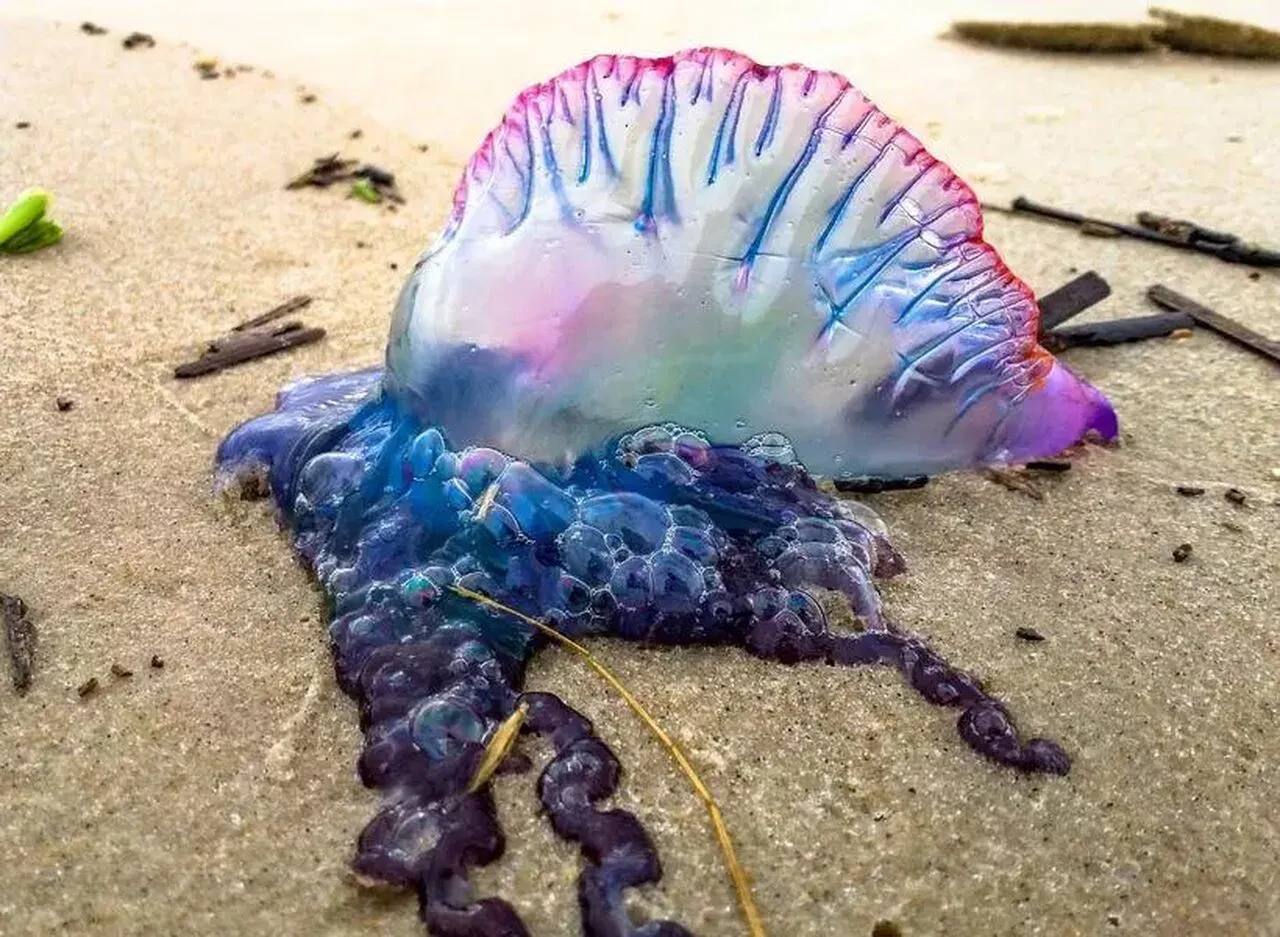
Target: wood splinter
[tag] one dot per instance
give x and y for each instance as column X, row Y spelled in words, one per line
column 253, row 339
column 20, row 641
column 1071, row 299
column 259, row 346
column 1116, row 331
column 1215, row 321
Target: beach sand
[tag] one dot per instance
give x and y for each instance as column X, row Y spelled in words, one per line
column 216, row 795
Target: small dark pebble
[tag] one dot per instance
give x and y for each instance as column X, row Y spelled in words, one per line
column 1255, row 275
column 88, row 687
column 137, row 41
column 1050, row 465
column 422, row 147
column 64, row 404
column 356, row 134
column 1182, row 553
column 394, row 265
column 1189, row 491
column 1113, row 920
column 92, row 29
column 23, row 124
column 1029, row 634
column 121, row 671
column 886, row 929
column 157, row 661
column 1234, row 495
column 308, row 98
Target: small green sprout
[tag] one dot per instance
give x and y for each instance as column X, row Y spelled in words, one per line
column 364, row 189
column 24, row 228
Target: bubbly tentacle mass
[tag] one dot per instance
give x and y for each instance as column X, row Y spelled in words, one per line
column 669, row 289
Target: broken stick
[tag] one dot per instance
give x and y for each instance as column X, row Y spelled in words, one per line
column 260, row 345
column 1216, row 321
column 20, row 640
column 1071, row 299
column 1116, row 331
column 287, row 307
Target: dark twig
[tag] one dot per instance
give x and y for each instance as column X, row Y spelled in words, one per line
column 19, row 639
column 248, row 338
column 1116, row 331
column 255, row 345
column 1229, row 328
column 1183, row 230
column 287, row 307
column 1071, row 299
column 1049, row 465
column 866, row 484
column 1225, row 247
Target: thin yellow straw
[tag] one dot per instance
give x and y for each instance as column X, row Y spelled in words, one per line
column 500, row 744
column 740, row 883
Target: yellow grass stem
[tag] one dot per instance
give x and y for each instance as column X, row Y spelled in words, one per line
column 737, row 874
column 504, row 737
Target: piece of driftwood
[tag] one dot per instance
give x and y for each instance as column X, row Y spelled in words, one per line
column 1228, row 328
column 19, row 641
column 1209, row 35
column 1168, row 29
column 1105, row 38
column 248, row 338
column 1226, row 247
column 288, row 307
column 1071, row 299
column 254, row 345
column 1116, row 331
column 866, row 484
column 1049, row 465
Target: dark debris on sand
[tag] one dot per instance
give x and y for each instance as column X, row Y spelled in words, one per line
column 138, row 41
column 20, row 641
column 331, row 169
column 254, row 338
column 1166, row 30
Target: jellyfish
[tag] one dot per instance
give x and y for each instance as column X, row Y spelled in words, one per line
column 672, row 295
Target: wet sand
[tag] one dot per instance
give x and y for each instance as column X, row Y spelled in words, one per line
column 216, row 795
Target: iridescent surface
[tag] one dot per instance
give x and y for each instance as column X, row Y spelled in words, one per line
column 733, row 247
column 670, row 289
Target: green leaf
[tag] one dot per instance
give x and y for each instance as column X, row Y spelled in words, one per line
column 43, row 233
column 363, row 189
column 23, row 213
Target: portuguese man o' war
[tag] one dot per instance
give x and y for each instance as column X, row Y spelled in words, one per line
column 671, row 292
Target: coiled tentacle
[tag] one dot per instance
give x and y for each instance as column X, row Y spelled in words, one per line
column 657, row 536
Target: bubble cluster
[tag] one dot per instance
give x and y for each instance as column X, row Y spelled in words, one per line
column 656, row 536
